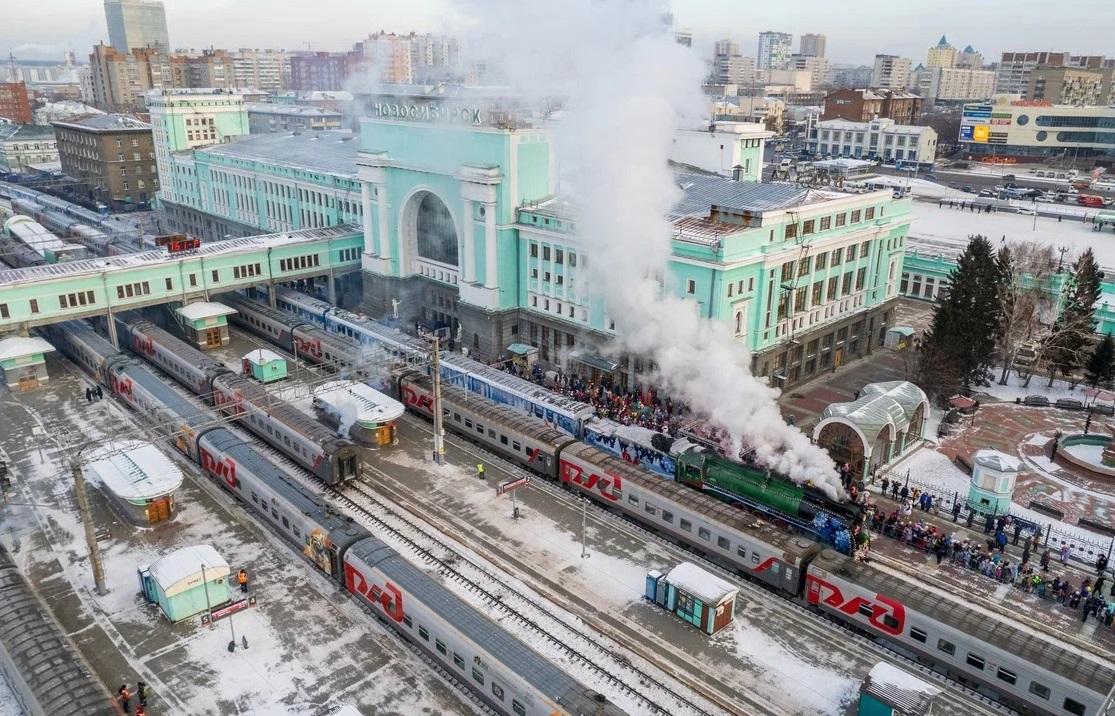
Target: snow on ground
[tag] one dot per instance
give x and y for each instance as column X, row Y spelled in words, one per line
column 8, row 705
column 1088, row 453
column 935, row 468
column 955, row 226
column 1039, row 385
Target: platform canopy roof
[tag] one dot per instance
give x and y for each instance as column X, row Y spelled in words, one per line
column 134, row 470
column 181, row 570
column 905, row 393
column 349, row 401
column 23, row 346
column 869, row 415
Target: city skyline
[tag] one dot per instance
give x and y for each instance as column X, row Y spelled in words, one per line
column 45, row 30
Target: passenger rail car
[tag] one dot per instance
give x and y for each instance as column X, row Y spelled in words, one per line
column 1029, row 671
column 298, row 436
column 302, row 339
column 511, row 678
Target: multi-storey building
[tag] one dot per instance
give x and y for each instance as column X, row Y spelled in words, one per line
column 1071, row 85
column 1035, row 130
column 770, row 112
column 1015, row 68
column 387, row 57
column 864, row 105
column 24, row 145
column 120, row 80
column 733, row 69
column 730, row 149
column 266, row 70
column 858, row 76
column 891, row 72
column 970, row 59
column 266, row 118
column 816, row 66
column 812, row 45
column 725, row 48
column 14, row 103
column 955, row 84
column 877, row 139
column 469, row 235
column 204, row 69
column 320, row 70
column 137, row 23
column 112, row 155
column 684, row 37
column 942, row 54
column 774, row 50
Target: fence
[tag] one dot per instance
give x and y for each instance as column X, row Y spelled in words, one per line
column 1083, row 549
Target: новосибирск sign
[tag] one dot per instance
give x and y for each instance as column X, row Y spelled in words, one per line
column 428, row 112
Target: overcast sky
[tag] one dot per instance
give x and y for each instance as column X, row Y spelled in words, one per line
column 44, row 29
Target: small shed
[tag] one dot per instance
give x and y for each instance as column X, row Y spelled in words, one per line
column 700, row 598
column 522, row 355
column 994, row 475
column 23, row 360
column 264, row 365
column 890, row 691
column 358, row 411
column 205, row 323
column 898, row 338
column 186, row 582
column 138, row 478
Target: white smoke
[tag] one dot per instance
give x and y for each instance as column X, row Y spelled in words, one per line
column 624, row 86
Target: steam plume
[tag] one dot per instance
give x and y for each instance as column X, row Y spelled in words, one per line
column 625, row 85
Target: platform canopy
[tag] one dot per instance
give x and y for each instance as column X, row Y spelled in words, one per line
column 204, row 309
column 869, row 415
column 22, row 346
column 182, row 569
column 357, row 402
column 905, row 393
column 134, row 470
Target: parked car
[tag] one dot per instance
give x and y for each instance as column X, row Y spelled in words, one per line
column 967, row 190
column 1045, row 199
column 987, row 193
column 1027, row 210
column 1037, row 401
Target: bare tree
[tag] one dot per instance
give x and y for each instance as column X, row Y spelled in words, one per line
column 1028, row 273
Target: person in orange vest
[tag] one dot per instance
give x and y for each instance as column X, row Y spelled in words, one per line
column 242, row 580
column 125, row 697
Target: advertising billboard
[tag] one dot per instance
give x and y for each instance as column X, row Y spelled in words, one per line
column 980, row 133
column 966, row 132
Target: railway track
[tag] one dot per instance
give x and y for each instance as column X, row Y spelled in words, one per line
column 837, row 636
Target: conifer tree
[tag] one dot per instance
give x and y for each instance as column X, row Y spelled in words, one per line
column 1068, row 342
column 1100, row 370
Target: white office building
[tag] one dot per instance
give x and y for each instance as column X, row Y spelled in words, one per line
column 878, row 139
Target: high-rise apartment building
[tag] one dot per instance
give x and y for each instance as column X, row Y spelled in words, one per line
column 774, row 50
column 733, row 70
column 817, row 67
column 941, row 55
column 111, row 155
column 266, row 70
column 725, row 48
column 319, row 70
column 208, row 68
column 891, row 72
column 1015, row 68
column 120, row 80
column 136, row 23
column 970, row 59
column 1071, row 86
column 812, row 45
column 684, row 37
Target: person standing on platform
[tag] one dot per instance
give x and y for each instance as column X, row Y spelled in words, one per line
column 125, row 697
column 480, row 471
column 242, row 580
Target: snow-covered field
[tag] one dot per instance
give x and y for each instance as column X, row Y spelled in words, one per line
column 8, row 704
column 1039, row 385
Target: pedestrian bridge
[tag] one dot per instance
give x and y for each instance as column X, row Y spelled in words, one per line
column 40, row 295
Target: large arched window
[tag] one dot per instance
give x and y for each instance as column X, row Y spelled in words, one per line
column 437, row 236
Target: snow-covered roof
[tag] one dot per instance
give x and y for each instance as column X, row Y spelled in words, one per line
column 996, row 460
column 906, row 692
column 262, row 356
column 351, row 401
column 20, row 346
column 181, row 570
column 204, row 309
column 869, row 415
column 134, row 470
column 711, row 589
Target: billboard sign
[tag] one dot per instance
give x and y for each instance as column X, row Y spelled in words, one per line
column 966, row 132
column 980, row 133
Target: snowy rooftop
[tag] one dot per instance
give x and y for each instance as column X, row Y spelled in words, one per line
column 690, row 578
column 291, row 109
column 332, row 151
column 703, row 191
column 905, row 393
column 346, row 397
column 181, row 570
column 996, row 460
column 135, row 470
column 204, row 309
column 101, row 122
column 262, row 356
column 898, row 688
column 20, row 346
column 870, row 415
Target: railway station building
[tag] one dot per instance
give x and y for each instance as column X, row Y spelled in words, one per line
column 465, row 230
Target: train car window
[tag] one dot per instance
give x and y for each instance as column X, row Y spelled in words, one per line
column 686, row 525
column 888, row 620
column 515, row 446
column 274, row 513
column 866, row 610
column 254, row 498
column 459, row 661
column 917, row 634
column 976, row 661
column 633, row 499
column 491, row 434
column 457, row 417
column 468, row 423
column 651, row 509
column 441, row 647
column 480, row 428
column 667, row 516
column 723, row 543
column 704, row 534
column 497, row 691
column 408, row 621
column 479, row 678
column 1074, row 707
column 1007, row 676
column 754, row 558
column 518, row 708
column 946, row 646
column 286, row 523
column 741, row 551
column 1039, row 690
column 423, row 633
column 503, row 439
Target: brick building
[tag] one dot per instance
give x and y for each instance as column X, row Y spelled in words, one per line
column 14, row 104
column 113, row 155
column 864, row 105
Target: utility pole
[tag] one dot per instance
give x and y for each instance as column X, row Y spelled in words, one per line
column 439, row 428
column 87, row 525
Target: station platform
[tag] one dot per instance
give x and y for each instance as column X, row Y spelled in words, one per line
column 310, row 650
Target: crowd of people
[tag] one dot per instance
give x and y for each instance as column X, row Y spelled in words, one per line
column 644, row 407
